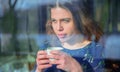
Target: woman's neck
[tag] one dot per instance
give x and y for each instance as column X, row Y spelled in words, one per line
column 76, row 45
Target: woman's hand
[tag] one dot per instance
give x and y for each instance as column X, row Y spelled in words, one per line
column 65, row 62
column 42, row 61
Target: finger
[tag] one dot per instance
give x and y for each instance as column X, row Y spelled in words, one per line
column 56, row 57
column 44, row 66
column 56, row 52
column 57, row 62
column 41, row 62
column 60, row 67
column 42, row 57
column 63, row 68
column 41, row 53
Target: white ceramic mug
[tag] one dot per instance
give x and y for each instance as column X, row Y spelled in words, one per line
column 51, row 49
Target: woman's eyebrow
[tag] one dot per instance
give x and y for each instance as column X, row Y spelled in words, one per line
column 66, row 19
column 61, row 19
column 52, row 19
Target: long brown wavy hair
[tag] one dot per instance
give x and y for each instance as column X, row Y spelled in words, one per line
column 83, row 19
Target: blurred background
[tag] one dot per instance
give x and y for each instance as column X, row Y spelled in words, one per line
column 22, row 31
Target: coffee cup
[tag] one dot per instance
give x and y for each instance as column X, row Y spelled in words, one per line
column 51, row 49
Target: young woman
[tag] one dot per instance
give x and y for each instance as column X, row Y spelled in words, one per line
column 78, row 34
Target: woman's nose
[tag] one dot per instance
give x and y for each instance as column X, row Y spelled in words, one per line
column 59, row 26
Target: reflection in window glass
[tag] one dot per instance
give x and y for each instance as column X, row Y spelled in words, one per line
column 23, row 32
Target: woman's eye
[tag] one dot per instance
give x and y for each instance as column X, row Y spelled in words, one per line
column 53, row 21
column 66, row 20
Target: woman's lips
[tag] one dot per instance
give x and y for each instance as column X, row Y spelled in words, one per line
column 61, row 35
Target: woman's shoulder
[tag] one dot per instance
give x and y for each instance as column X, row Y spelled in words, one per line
column 96, row 49
column 96, row 45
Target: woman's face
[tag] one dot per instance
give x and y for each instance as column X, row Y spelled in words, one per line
column 63, row 24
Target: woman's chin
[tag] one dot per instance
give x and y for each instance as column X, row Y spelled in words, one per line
column 62, row 39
